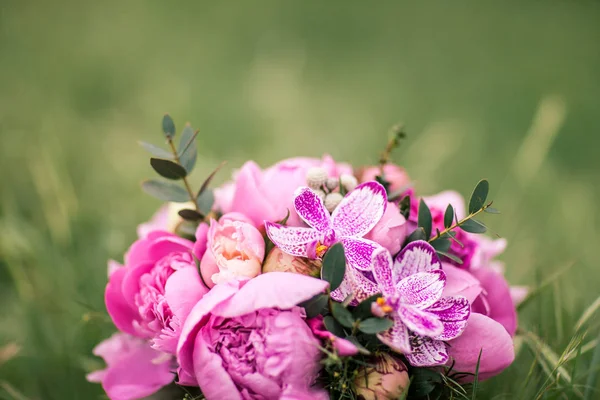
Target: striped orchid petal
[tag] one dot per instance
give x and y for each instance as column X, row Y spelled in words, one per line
column 422, row 289
column 360, row 210
column 382, row 270
column 359, row 252
column 397, row 337
column 310, row 208
column 300, row 242
column 427, row 352
column 417, row 256
column 420, row 322
column 453, row 312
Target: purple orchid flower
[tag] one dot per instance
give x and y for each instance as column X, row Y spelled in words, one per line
column 411, row 290
column 354, row 217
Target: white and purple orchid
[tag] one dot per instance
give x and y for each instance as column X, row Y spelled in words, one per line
column 354, row 217
column 411, row 290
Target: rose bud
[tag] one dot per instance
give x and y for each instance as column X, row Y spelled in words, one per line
column 277, row 260
column 386, row 379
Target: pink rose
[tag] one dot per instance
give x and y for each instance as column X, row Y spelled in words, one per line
column 247, row 339
column 390, row 231
column 235, row 249
column 133, row 369
column 267, row 195
column 394, row 174
column 136, row 297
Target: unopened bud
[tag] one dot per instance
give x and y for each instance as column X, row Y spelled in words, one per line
column 278, row 261
column 386, row 380
column 349, row 182
column 332, row 200
column 320, row 193
column 332, row 183
column 316, row 177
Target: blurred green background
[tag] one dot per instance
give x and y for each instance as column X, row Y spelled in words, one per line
column 507, row 91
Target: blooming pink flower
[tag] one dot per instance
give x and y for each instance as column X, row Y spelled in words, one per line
column 395, row 175
column 269, row 194
column 235, row 249
column 412, row 288
column 390, row 231
column 247, row 339
column 342, row 346
column 133, row 369
column 357, row 214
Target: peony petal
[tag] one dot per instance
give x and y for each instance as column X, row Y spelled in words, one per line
column 273, row 290
column 454, row 313
column 310, row 208
column 117, row 306
column 497, row 296
column 518, row 294
column 170, row 244
column 213, row 379
column 397, row 337
column 183, row 290
column 460, row 283
column 427, row 352
column 359, row 252
column 382, row 270
column 113, row 266
column 420, row 322
column 441, row 200
column 299, row 242
column 417, row 256
column 248, row 198
column 422, row 289
column 360, row 210
column 485, row 335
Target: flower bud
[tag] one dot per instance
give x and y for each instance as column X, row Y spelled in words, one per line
column 387, row 379
column 316, row 177
column 278, row 261
column 349, row 182
column 332, row 200
column 332, row 183
column 320, row 193
column 173, row 217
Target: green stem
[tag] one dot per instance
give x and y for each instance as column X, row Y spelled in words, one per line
column 459, row 223
column 185, row 181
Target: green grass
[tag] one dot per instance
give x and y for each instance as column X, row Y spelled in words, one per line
column 503, row 91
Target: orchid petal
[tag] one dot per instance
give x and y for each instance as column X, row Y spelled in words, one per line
column 422, row 289
column 453, row 312
column 397, row 337
column 360, row 210
column 427, row 352
column 382, row 270
column 359, row 252
column 357, row 284
column 294, row 241
column 310, row 208
column 417, row 256
column 421, row 322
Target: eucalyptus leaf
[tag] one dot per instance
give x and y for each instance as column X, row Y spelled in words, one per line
column 165, row 191
column 168, row 126
column 342, row 315
column 479, row 196
column 473, row 226
column 334, row 266
column 168, row 169
column 333, row 326
column 441, row 244
column 190, row 215
column 207, row 180
column 405, row 207
column 371, row 326
column 188, row 152
column 155, row 150
column 363, row 309
column 492, row 210
column 418, row 234
column 448, row 216
column 205, row 201
column 315, row 306
column 450, row 256
column 424, row 219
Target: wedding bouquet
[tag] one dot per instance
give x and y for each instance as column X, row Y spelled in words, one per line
column 306, row 280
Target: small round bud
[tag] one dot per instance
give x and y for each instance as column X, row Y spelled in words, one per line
column 320, row 193
column 316, row 177
column 332, row 200
column 332, row 183
column 348, row 181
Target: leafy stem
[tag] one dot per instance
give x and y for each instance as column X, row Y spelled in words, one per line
column 188, row 188
column 459, row 223
column 397, row 134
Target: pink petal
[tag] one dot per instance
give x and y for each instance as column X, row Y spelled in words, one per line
column 159, row 221
column 397, row 337
column 421, row 322
column 357, row 284
column 248, row 198
column 460, row 283
column 382, row 270
column 273, row 290
column 497, row 295
column 518, row 294
column 417, row 256
column 454, row 313
column 422, row 289
column 310, row 208
column 183, row 290
column 213, row 379
column 113, row 266
column 117, row 306
column 360, row 210
column 427, row 353
column 342, row 346
column 138, row 252
column 359, row 252
column 482, row 333
column 441, row 201
column 167, row 245
column 299, row 242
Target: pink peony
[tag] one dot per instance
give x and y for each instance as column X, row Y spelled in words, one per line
column 390, row 231
column 136, row 293
column 235, row 249
column 133, row 369
column 394, row 174
column 267, row 195
column 247, row 339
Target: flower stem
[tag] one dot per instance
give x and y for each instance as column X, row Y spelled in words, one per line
column 185, row 181
column 397, row 133
column 459, row 223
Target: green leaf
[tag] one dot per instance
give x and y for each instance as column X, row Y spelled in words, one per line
column 441, row 244
column 371, row 326
column 155, row 150
column 333, row 326
column 188, row 152
column 448, row 216
column 168, row 169
column 405, row 207
column 207, row 180
column 168, row 126
column 418, row 234
column 361, row 349
column 334, row 266
column 491, row 210
column 342, row 315
column 205, row 201
column 479, row 196
column 190, row 215
column 316, row 305
column 165, row 191
column 473, row 226
column 363, row 309
column 450, row 256
column 187, row 229
column 423, row 382
column 424, row 220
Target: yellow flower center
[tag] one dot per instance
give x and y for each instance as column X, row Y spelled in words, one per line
column 321, row 249
column 382, row 303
